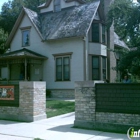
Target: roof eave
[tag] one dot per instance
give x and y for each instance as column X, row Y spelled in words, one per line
column 92, row 20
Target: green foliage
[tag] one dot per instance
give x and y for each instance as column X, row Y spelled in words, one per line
column 56, row 107
column 11, row 10
column 126, row 18
column 131, row 62
column 48, row 93
column 3, row 38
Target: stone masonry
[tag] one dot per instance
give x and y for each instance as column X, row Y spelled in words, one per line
column 85, row 103
column 87, row 116
column 32, row 103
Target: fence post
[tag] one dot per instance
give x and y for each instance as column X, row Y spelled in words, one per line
column 85, row 103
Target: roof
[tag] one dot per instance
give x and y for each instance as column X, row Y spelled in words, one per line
column 119, row 42
column 34, row 18
column 47, row 3
column 23, row 53
column 70, row 22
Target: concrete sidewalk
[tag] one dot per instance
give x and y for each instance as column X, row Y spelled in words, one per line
column 56, row 128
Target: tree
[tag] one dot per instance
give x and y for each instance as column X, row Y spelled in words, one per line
column 126, row 18
column 11, row 10
column 9, row 14
column 3, row 38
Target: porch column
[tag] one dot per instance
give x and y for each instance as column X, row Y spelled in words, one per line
column 25, row 69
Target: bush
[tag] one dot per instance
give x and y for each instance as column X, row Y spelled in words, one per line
column 48, row 93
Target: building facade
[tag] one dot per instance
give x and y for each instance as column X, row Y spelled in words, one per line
column 66, row 42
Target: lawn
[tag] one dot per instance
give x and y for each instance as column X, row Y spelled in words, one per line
column 55, row 107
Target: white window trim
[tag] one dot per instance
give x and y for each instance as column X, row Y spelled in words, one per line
column 62, row 55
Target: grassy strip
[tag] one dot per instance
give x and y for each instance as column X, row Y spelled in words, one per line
column 55, row 108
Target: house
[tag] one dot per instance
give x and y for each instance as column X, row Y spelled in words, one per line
column 66, row 42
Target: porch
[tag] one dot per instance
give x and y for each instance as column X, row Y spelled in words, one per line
column 21, row 65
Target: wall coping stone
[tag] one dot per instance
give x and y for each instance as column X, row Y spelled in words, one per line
column 82, row 84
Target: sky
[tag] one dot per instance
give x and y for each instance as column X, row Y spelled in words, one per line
column 2, row 1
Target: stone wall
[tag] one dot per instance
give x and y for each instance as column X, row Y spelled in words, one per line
column 32, row 103
column 62, row 93
column 87, row 114
column 85, row 103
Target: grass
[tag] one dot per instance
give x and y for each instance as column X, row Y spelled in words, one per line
column 55, row 107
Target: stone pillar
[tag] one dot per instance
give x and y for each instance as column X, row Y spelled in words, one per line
column 85, row 104
column 32, row 101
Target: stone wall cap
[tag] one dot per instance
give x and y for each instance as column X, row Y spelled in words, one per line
column 86, row 83
column 32, row 84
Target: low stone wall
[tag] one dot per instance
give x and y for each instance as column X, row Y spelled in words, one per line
column 32, row 103
column 88, row 112
column 62, row 93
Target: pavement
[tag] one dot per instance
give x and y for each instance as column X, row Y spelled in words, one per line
column 55, row 128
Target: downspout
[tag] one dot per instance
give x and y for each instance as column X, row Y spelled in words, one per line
column 86, row 58
column 25, row 69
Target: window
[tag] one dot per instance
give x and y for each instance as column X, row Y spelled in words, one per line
column 57, row 7
column 103, row 34
column 95, row 32
column 63, row 68
column 25, row 38
column 95, row 68
column 104, row 67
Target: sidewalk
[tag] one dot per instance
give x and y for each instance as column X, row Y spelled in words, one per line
column 56, row 128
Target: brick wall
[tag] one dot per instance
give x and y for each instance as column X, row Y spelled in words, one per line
column 32, row 103
column 111, row 107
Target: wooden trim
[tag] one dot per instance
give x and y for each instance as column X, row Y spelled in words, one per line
column 25, row 28
column 62, row 54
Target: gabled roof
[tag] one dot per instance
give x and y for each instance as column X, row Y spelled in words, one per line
column 119, row 42
column 22, row 53
column 47, row 3
column 70, row 22
column 34, row 20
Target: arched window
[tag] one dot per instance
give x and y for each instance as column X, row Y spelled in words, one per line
column 57, row 6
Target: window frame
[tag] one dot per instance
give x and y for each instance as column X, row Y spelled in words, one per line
column 56, row 5
column 24, row 29
column 57, row 56
column 103, row 34
column 94, row 32
column 104, row 58
column 96, row 68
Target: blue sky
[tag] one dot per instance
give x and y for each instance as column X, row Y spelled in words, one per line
column 2, row 1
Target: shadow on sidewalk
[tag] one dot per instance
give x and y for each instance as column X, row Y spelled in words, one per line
column 98, row 134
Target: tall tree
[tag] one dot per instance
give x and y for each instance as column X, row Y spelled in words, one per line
column 126, row 17
column 11, row 10
column 3, row 38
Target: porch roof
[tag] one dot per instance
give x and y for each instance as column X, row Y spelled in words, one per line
column 22, row 53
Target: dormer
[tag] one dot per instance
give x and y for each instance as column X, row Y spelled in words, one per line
column 58, row 5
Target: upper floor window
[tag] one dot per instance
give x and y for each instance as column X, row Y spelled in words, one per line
column 25, row 38
column 103, row 34
column 95, row 32
column 57, row 5
column 98, row 33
